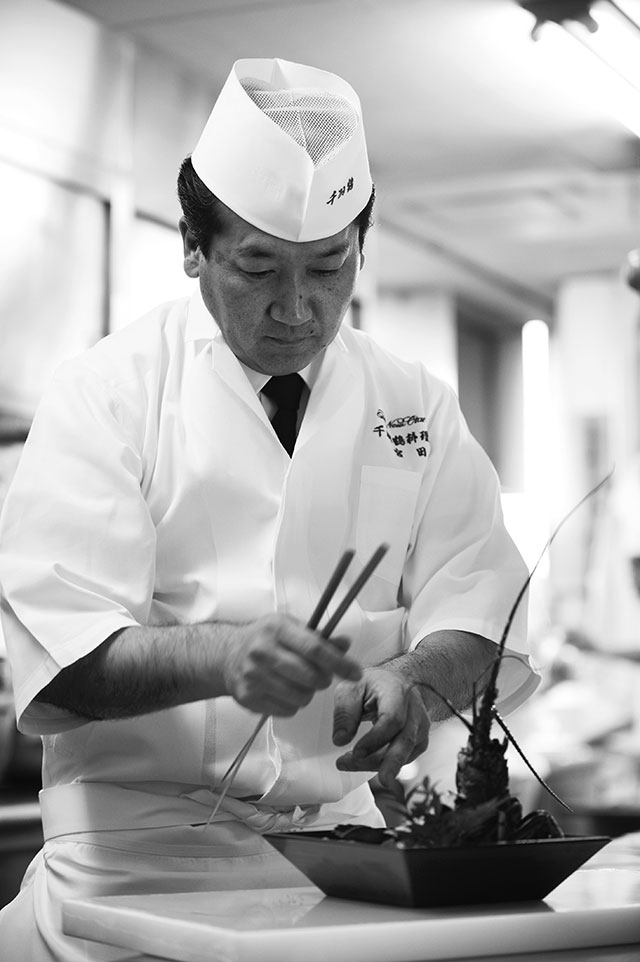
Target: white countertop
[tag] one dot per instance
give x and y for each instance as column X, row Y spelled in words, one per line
column 594, row 916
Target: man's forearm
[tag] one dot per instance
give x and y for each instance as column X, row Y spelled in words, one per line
column 272, row 665
column 142, row 669
column 451, row 663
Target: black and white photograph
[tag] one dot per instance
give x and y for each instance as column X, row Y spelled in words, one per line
column 319, row 480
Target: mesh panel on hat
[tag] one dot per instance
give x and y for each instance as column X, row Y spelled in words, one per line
column 319, row 121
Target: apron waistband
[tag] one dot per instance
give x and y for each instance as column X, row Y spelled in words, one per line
column 102, row 806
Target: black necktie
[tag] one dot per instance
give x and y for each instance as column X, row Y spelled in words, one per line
column 285, row 391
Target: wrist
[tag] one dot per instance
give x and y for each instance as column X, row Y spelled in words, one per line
column 222, row 645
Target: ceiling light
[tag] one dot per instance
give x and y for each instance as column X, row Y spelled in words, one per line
column 601, row 36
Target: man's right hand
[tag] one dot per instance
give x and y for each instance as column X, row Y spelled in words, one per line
column 275, row 665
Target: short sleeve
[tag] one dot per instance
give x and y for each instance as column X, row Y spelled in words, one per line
column 77, row 544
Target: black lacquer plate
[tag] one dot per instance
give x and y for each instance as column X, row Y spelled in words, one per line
column 467, row 875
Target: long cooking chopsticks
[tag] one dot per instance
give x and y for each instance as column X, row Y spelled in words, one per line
column 323, row 602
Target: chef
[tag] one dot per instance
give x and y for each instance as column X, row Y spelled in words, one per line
column 165, row 540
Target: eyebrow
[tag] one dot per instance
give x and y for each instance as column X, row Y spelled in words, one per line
column 342, row 248
column 256, row 250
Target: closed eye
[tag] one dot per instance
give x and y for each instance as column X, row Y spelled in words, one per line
column 334, row 269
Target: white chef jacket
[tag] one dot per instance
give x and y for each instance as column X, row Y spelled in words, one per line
column 152, row 490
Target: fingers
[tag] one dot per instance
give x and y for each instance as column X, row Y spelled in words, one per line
column 390, row 758
column 325, row 655
column 400, row 730
column 280, row 664
column 347, row 712
column 401, row 724
column 303, row 659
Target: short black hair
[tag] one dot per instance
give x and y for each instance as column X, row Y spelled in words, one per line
column 204, row 212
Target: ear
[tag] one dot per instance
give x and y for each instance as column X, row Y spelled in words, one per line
column 191, row 250
column 362, row 260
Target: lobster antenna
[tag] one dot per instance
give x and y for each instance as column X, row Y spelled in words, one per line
column 491, row 689
column 503, row 725
column 452, row 708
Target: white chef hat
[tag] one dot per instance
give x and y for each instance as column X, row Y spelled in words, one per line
column 284, row 148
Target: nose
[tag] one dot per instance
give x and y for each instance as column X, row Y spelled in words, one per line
column 291, row 304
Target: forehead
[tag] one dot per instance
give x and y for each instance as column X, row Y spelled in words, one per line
column 238, row 237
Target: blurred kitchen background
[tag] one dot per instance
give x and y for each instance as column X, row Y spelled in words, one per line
column 505, row 255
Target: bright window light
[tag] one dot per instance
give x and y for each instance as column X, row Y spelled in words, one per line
column 536, row 430
column 527, row 513
column 535, row 385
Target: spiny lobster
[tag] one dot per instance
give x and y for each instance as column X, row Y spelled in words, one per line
column 483, row 808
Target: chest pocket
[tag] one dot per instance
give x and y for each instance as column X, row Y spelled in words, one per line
column 386, row 512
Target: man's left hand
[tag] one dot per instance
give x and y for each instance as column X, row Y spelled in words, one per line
column 401, row 723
